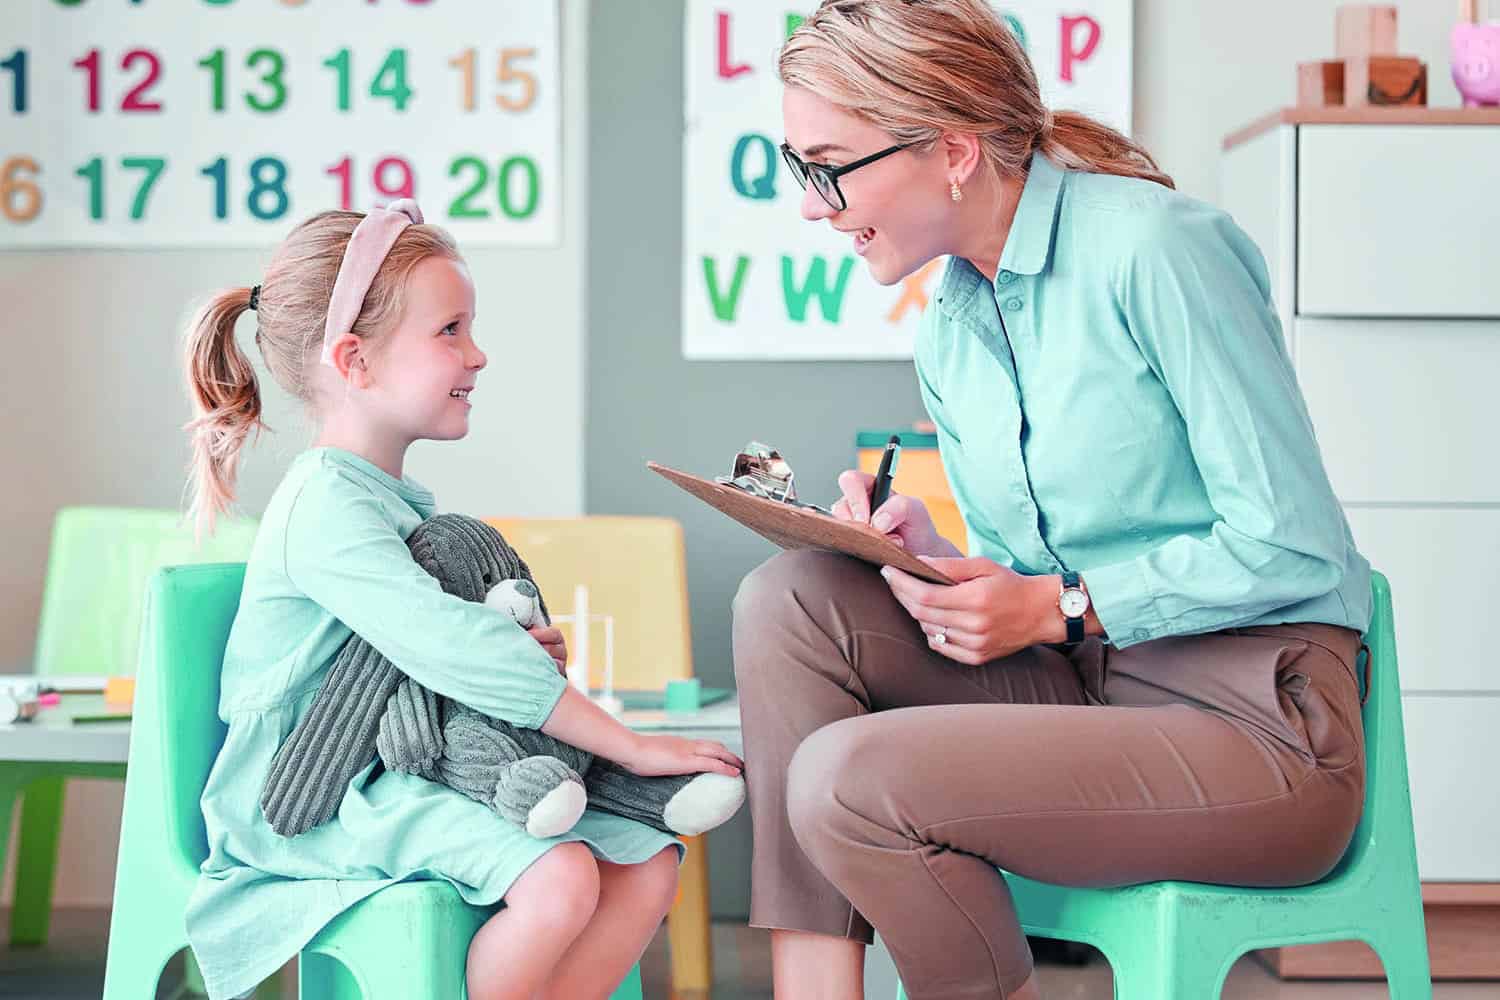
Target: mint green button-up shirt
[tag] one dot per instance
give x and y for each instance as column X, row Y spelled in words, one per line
column 1119, row 402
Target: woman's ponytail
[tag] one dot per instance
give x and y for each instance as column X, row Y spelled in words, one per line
column 1078, row 142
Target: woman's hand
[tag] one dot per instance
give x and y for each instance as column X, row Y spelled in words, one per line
column 552, row 641
column 989, row 612
column 904, row 520
column 652, row 755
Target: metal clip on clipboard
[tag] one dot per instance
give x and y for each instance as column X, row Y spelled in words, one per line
column 761, row 471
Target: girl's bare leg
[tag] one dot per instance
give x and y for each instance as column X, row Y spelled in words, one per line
column 633, row 900
column 517, row 951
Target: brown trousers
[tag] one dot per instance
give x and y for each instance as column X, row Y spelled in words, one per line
column 887, row 783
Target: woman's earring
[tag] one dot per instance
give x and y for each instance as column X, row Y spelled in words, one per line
column 955, row 191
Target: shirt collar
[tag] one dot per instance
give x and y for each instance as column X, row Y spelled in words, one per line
column 1028, row 245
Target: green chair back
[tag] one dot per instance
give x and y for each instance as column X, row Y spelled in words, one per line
column 97, row 569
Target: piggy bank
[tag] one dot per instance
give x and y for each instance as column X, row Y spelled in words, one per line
column 1476, row 63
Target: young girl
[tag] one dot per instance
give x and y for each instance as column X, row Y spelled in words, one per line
column 368, row 320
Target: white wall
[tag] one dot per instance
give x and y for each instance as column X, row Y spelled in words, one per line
column 90, row 403
column 91, row 406
column 1204, row 68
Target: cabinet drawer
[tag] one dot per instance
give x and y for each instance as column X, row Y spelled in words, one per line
column 1444, row 576
column 1451, row 746
column 1397, row 220
column 1404, row 409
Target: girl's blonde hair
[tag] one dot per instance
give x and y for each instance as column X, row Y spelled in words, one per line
column 292, row 309
column 918, row 68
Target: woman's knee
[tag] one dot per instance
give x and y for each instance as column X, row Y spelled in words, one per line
column 561, row 889
column 821, row 781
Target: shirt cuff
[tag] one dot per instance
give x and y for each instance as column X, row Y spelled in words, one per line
column 1123, row 600
column 546, row 700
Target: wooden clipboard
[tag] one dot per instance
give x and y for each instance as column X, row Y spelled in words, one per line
column 800, row 528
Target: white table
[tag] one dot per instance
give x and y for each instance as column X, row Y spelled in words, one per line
column 719, row 721
column 53, row 736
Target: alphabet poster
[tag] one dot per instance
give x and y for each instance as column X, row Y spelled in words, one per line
column 761, row 282
column 190, row 123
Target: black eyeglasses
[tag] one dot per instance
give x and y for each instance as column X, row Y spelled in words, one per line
column 825, row 180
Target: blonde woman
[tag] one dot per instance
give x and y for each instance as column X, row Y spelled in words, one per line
column 1147, row 667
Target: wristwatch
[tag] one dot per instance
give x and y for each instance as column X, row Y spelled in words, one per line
column 1073, row 601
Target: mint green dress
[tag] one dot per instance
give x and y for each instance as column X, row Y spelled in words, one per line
column 330, row 557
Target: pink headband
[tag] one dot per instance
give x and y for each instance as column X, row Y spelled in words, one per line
column 372, row 240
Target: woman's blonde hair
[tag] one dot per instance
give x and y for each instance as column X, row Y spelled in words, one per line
column 918, row 68
column 292, row 308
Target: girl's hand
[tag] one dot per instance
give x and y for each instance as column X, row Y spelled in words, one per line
column 990, row 612
column 653, row 755
column 905, row 520
column 552, row 641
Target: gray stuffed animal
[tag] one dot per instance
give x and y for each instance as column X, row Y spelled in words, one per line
column 367, row 708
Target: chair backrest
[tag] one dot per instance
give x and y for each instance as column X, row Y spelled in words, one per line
column 97, row 569
column 635, row 569
column 1386, row 820
column 189, row 610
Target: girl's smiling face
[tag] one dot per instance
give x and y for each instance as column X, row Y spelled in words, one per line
column 423, row 372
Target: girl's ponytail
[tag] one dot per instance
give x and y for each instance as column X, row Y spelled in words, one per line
column 226, row 405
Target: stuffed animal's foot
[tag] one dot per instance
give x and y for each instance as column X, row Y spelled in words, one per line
column 542, row 794
column 687, row 804
column 708, row 801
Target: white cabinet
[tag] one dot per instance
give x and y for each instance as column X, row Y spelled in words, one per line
column 1383, row 246
column 1400, row 220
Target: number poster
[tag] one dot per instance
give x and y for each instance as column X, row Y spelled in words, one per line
column 760, row 282
column 191, row 123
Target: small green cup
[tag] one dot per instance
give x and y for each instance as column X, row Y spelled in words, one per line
column 683, row 696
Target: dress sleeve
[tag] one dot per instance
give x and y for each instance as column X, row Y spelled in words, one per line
column 345, row 554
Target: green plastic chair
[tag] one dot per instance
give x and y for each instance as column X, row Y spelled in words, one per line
column 406, row 941
column 100, row 560
column 1177, row 940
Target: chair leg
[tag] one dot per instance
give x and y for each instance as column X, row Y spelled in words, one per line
column 630, row 989
column 1171, row 970
column 36, row 857
column 688, row 928
column 1404, row 957
column 320, row 975
column 135, row 966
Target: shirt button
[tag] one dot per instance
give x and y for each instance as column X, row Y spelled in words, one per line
column 1140, row 635
column 1006, row 277
column 1013, row 304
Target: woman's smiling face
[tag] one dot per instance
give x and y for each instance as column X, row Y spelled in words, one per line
column 898, row 211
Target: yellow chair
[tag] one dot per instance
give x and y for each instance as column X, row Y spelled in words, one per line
column 635, row 569
column 919, row 474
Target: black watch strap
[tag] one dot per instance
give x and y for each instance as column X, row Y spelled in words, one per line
column 1075, row 625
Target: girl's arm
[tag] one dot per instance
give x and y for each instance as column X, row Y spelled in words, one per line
column 579, row 722
column 344, row 554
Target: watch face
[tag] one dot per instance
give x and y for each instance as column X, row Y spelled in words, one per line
column 1073, row 603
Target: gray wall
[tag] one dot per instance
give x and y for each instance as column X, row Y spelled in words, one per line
column 645, row 402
